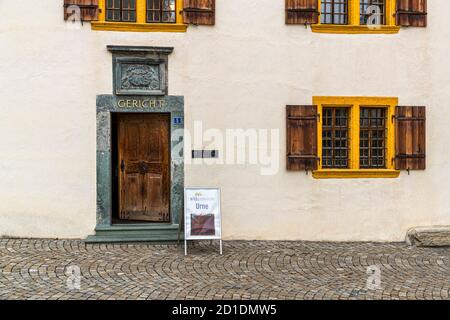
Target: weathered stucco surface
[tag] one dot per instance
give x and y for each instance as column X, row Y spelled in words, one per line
column 239, row 74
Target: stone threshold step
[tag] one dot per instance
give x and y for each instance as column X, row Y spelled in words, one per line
column 136, row 233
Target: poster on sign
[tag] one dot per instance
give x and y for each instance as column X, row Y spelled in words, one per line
column 202, row 217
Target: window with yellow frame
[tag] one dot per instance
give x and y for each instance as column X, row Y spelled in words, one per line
column 355, row 137
column 140, row 15
column 356, row 16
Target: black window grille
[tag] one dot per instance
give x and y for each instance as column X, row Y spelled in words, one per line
column 161, row 11
column 368, row 8
column 121, row 10
column 372, row 140
column 335, row 140
column 334, row 12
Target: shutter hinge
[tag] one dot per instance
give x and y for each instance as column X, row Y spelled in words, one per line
column 312, row 117
column 398, row 118
column 197, row 10
column 410, row 156
column 305, row 157
column 82, row 6
column 302, row 10
column 410, row 12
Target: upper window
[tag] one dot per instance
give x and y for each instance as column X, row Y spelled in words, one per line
column 158, row 11
column 140, row 15
column 356, row 16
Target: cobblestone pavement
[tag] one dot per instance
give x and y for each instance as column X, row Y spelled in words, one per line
column 40, row 269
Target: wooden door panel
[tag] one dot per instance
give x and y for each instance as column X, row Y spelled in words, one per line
column 144, row 178
column 131, row 141
column 128, row 196
column 151, row 147
column 155, row 196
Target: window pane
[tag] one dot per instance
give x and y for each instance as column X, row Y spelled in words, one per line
column 116, row 15
column 335, row 148
column 161, row 11
column 372, row 138
column 372, row 12
column 121, row 10
column 334, row 12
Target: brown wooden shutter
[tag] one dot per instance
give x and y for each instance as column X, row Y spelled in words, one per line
column 199, row 12
column 410, row 138
column 411, row 13
column 301, row 138
column 88, row 9
column 302, row 12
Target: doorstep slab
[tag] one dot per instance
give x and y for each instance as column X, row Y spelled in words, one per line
column 434, row 236
column 136, row 233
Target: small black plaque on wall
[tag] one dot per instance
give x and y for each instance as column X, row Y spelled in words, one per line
column 199, row 154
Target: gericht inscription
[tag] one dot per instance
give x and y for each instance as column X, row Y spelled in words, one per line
column 141, row 103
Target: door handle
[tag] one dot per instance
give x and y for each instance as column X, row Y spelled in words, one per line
column 122, row 166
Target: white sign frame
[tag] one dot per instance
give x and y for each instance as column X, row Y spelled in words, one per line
column 187, row 224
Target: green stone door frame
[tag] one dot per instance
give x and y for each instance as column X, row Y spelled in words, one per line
column 105, row 230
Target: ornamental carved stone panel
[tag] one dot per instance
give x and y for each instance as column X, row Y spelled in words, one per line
column 140, row 70
column 140, row 76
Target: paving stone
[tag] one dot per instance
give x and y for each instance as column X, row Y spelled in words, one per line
column 38, row 269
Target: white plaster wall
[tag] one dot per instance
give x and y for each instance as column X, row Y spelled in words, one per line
column 239, row 74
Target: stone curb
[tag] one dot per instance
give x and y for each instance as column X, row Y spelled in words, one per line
column 433, row 236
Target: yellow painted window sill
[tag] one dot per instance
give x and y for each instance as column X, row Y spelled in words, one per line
column 353, row 29
column 354, row 174
column 138, row 27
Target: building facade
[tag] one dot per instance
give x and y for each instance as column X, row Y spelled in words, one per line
column 309, row 115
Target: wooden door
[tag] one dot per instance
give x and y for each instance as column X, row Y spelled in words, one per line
column 144, row 176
